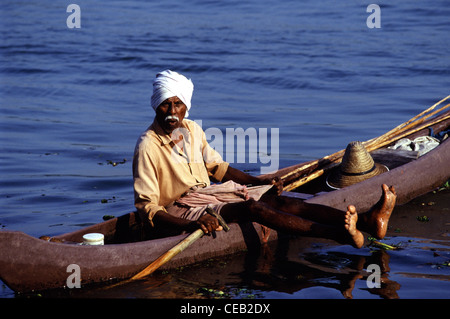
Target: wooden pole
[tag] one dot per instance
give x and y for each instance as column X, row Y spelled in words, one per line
column 168, row 255
column 320, row 166
column 374, row 146
column 403, row 125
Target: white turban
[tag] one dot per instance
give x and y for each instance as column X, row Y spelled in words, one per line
column 169, row 84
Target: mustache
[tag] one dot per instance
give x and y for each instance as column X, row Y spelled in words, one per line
column 172, row 117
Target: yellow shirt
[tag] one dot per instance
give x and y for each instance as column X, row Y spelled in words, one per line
column 166, row 166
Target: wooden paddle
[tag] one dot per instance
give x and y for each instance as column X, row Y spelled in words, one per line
column 182, row 245
column 164, row 258
column 168, row 255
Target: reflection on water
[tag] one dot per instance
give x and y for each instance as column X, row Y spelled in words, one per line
column 276, row 274
column 340, row 271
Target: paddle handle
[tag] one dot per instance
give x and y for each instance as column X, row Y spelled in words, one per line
column 182, row 245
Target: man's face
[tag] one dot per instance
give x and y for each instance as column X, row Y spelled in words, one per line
column 170, row 114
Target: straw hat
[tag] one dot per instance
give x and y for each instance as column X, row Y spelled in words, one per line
column 357, row 165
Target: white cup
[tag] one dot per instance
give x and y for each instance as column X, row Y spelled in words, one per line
column 93, row 239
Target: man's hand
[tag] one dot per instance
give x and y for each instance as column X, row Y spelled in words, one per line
column 277, row 184
column 209, row 224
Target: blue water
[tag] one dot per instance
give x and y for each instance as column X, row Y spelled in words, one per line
column 73, row 101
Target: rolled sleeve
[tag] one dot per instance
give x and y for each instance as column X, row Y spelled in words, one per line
column 147, row 207
column 217, row 170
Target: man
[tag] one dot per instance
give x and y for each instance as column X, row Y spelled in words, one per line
column 173, row 165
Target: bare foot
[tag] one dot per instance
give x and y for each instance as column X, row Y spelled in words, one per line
column 351, row 218
column 378, row 218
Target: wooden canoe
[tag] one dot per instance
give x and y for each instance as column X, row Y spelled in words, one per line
column 31, row 264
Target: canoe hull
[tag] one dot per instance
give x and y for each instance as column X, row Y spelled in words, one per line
column 43, row 265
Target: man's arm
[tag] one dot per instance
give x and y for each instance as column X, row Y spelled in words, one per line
column 246, row 179
column 240, row 177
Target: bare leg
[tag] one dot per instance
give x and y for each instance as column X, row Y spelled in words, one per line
column 374, row 221
column 316, row 212
column 262, row 213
